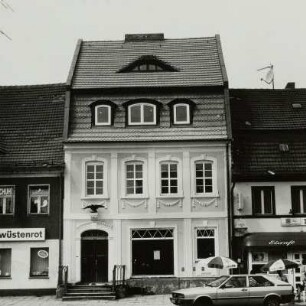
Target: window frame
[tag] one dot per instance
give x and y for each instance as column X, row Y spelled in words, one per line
column 175, row 121
column 33, row 249
column 94, row 159
column 10, row 262
column 29, row 199
column 13, row 198
column 109, row 108
column 262, row 190
column 142, row 104
column 301, row 189
column 213, row 161
column 129, row 160
column 214, row 237
column 95, row 164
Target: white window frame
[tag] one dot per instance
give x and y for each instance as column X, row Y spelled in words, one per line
column 94, row 164
column 170, row 159
column 29, row 200
column 187, row 106
column 109, row 115
column 4, row 197
column 134, row 159
column 213, row 161
column 97, row 160
column 215, row 237
column 142, row 114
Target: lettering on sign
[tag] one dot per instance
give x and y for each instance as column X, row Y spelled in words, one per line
column 280, row 243
column 22, row 234
column 6, row 191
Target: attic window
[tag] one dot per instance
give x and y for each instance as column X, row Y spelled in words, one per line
column 102, row 113
column 296, row 105
column 147, row 63
column 283, row 147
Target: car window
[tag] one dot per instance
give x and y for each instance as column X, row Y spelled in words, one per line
column 259, row 281
column 235, row 282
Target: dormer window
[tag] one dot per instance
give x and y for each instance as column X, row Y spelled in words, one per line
column 148, row 63
column 181, row 111
column 142, row 114
column 102, row 113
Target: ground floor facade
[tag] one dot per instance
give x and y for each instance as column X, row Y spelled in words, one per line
column 147, row 247
column 29, row 264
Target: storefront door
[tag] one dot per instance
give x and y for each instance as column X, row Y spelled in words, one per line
column 94, row 253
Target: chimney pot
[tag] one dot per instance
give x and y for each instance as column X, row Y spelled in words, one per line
column 290, row 85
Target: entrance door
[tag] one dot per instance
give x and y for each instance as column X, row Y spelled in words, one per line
column 94, row 254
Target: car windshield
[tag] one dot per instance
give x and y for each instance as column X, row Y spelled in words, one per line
column 217, row 282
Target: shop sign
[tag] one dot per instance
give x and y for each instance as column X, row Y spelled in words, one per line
column 6, row 191
column 42, row 253
column 282, row 243
column 291, row 221
column 22, row 234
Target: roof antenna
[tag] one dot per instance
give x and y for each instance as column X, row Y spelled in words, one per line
column 269, row 79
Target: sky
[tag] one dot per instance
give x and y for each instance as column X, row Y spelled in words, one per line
column 254, row 34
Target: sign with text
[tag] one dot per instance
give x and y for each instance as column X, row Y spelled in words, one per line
column 22, row 234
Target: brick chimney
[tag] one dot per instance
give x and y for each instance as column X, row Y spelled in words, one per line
column 290, row 85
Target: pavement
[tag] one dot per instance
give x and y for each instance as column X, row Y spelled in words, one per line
column 50, row 300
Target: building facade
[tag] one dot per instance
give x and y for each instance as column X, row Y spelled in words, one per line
column 147, row 154
column 269, row 181
column 31, row 179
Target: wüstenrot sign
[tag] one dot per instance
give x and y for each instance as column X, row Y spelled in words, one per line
column 22, row 234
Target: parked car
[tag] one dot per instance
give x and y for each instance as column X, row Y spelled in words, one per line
column 235, row 290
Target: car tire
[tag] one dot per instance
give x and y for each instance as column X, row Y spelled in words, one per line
column 202, row 302
column 272, row 301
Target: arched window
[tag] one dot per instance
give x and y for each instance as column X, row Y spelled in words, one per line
column 142, row 114
column 181, row 113
column 102, row 115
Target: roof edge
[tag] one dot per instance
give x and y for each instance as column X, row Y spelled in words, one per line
column 74, row 62
column 221, row 59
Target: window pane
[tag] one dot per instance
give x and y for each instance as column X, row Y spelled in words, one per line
column 138, row 167
column 99, row 191
column 103, row 114
column 208, row 189
column 164, row 183
column 130, row 190
column 99, row 168
column 90, row 191
column 199, row 189
column 208, row 166
column 199, row 166
column 5, row 262
column 90, row 184
column 39, row 262
column 267, row 201
column 173, row 189
column 164, row 190
column 135, row 114
column 90, row 168
column 164, row 167
column 90, row 175
column 148, row 113
column 99, row 184
column 206, row 247
column 181, row 113
column 99, row 175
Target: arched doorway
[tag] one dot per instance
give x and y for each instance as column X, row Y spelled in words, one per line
column 94, row 256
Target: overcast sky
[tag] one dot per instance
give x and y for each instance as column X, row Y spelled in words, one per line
column 253, row 34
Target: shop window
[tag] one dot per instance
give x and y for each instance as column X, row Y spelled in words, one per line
column 169, row 178
column 134, row 178
column 5, row 262
column 39, row 262
column 206, row 243
column 298, row 199
column 263, row 200
column 7, row 200
column 204, row 177
column 39, row 199
column 181, row 113
column 102, row 115
column 142, row 114
column 94, row 179
column 152, row 252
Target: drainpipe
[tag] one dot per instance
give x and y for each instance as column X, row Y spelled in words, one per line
column 60, row 227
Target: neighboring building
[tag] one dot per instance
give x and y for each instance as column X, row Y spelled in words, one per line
column 147, row 141
column 269, row 176
column 31, row 177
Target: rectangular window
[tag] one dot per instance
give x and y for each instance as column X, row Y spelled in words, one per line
column 134, row 178
column 298, row 199
column 263, row 200
column 94, row 179
column 205, row 243
column 103, row 115
column 181, row 114
column 7, row 200
column 39, row 262
column 5, row 262
column 169, row 178
column 142, row 113
column 39, row 199
column 204, row 177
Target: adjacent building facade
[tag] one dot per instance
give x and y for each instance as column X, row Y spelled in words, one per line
column 31, row 179
column 147, row 157
column 269, row 177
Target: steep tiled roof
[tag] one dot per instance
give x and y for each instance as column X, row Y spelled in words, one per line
column 31, row 126
column 209, row 120
column 268, row 109
column 199, row 62
column 262, row 120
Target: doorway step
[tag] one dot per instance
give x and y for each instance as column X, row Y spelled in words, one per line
column 89, row 292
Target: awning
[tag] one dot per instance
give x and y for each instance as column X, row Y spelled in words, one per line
column 275, row 240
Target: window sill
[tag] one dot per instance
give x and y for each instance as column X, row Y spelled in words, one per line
column 39, row 277
column 134, row 197
column 84, row 198
column 5, row 277
column 170, row 196
column 206, row 195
